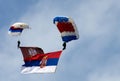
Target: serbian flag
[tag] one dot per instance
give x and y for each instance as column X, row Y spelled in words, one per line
column 40, row 62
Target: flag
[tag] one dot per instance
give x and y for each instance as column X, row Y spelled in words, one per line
column 40, row 63
column 28, row 52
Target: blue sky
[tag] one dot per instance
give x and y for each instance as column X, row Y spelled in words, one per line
column 94, row 57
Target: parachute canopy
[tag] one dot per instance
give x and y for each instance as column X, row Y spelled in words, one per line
column 67, row 28
column 17, row 28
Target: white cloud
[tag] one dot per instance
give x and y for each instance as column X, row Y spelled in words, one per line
column 107, row 72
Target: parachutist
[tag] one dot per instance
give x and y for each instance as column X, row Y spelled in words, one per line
column 64, row 45
column 18, row 44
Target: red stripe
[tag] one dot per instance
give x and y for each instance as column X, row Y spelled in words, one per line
column 65, row 26
column 40, row 56
column 13, row 28
column 54, row 54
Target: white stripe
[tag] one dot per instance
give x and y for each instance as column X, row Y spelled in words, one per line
column 68, row 33
column 37, row 69
column 14, row 33
column 20, row 25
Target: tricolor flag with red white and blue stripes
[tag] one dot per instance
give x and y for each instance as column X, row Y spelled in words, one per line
column 39, row 62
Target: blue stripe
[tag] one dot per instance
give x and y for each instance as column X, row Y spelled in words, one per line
column 50, row 62
column 68, row 38
column 60, row 19
column 19, row 30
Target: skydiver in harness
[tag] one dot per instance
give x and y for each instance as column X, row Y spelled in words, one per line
column 64, row 45
column 18, row 45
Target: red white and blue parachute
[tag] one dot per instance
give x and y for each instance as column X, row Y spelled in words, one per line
column 67, row 28
column 17, row 28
